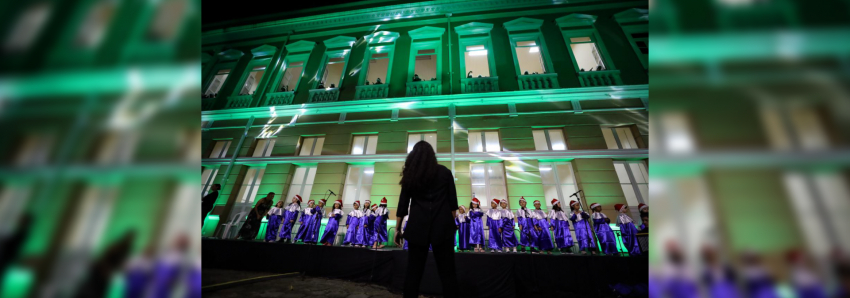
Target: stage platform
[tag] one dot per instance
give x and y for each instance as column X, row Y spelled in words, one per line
column 479, row 274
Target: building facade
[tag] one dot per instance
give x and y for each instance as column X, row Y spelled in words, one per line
column 519, row 99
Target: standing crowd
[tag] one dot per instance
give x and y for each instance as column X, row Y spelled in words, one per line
column 539, row 232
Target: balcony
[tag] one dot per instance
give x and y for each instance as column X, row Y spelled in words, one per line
column 324, row 95
column 371, row 91
column 538, row 81
column 599, row 78
column 478, row 85
column 279, row 98
column 240, row 101
column 207, row 104
column 423, row 88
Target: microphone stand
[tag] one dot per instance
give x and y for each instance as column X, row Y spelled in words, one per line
column 592, row 232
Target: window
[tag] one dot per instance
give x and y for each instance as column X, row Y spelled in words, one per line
column 291, row 76
column 311, row 146
column 796, row 127
column 378, row 67
column 264, row 147
column 332, row 75
column 586, row 54
column 488, row 182
column 426, row 64
column 549, row 139
column 165, row 24
column 558, row 181
column 250, row 186
column 620, row 137
column 302, row 183
column 34, row 150
column 207, row 178
column 476, row 61
column 484, row 141
column 364, row 144
column 413, row 138
column 358, row 184
column 676, row 132
column 27, row 27
column 633, row 180
column 635, row 25
column 529, row 58
column 220, row 149
column 252, row 80
column 94, row 25
column 217, row 82
column 824, row 197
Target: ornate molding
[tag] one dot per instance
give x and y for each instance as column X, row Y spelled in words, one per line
column 381, row 37
column 474, row 28
column 339, row 42
column 523, row 24
column 300, row 46
column 576, row 20
column 263, row 50
column 426, row 32
column 632, row 15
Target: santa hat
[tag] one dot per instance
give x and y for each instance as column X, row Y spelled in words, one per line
column 537, row 201
column 356, row 202
column 314, row 202
column 299, row 198
column 642, row 206
column 573, row 202
column 619, row 207
column 476, row 201
column 555, row 201
column 594, row 205
column 324, row 201
column 504, row 201
column 338, row 202
column 495, row 201
column 367, row 200
column 461, row 207
column 522, row 199
column 384, row 200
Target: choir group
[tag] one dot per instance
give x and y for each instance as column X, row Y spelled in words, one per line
column 539, row 232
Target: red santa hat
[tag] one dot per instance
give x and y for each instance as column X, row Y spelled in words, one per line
column 324, row 201
column 642, row 206
column 308, row 202
column 356, row 202
column 338, row 202
column 555, row 201
column 476, row 201
column 594, row 205
column 522, row 199
column 573, row 202
column 299, row 198
column 367, row 200
column 384, row 200
column 504, row 201
column 495, row 201
column 619, row 207
column 461, row 207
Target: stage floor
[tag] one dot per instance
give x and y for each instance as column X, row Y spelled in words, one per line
column 479, row 274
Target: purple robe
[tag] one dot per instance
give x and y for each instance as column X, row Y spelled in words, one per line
column 543, row 238
column 463, row 233
column 354, row 225
column 584, row 235
column 476, row 227
column 526, row 232
column 304, row 228
column 331, row 228
column 629, row 234
column 314, row 225
column 508, row 232
column 286, row 230
column 369, row 230
column 605, row 236
column 273, row 226
column 380, row 233
column 563, row 238
column 495, row 241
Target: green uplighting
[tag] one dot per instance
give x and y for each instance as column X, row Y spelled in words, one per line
column 16, row 282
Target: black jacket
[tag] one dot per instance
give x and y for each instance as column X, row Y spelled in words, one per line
column 430, row 219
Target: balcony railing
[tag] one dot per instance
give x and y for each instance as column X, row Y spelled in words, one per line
column 279, row 98
column 599, row 78
column 423, row 88
column 478, row 85
column 239, row 101
column 538, row 81
column 371, row 91
column 207, row 104
column 323, row 95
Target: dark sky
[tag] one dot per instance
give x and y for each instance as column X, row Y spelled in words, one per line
column 214, row 13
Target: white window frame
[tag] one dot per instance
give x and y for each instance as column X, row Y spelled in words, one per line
column 263, row 62
column 222, row 151
column 556, row 175
column 422, row 137
column 484, row 140
column 313, row 146
column 264, row 147
column 601, row 54
column 618, row 143
column 472, row 34
column 219, row 67
column 633, row 182
column 539, row 42
column 548, row 139
column 488, row 195
column 208, row 175
column 365, row 145
column 356, row 188
column 378, row 43
column 304, row 186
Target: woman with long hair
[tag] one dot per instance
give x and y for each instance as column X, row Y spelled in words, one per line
column 428, row 189
column 251, row 226
column 476, row 225
column 333, row 224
